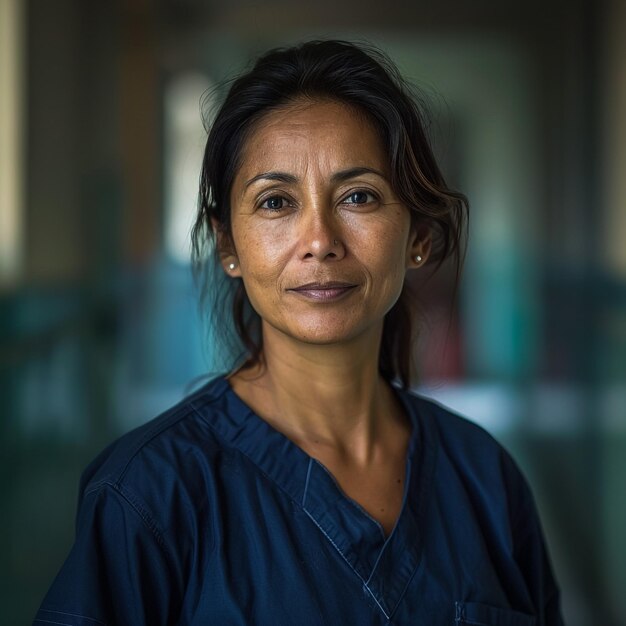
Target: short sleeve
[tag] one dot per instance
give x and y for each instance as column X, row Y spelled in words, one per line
column 118, row 571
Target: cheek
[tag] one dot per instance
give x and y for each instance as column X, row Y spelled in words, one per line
column 387, row 260
column 393, row 270
column 387, row 241
column 261, row 254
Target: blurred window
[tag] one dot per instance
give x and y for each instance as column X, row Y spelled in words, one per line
column 11, row 138
column 184, row 144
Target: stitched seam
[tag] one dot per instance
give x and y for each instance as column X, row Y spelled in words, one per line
column 96, row 486
column 91, row 619
column 261, row 471
column 228, row 444
column 422, row 510
column 150, row 436
column 231, row 446
column 143, row 514
column 380, row 554
column 348, row 562
column 280, row 488
column 408, row 582
column 352, row 502
column 177, row 416
column 306, row 484
column 458, row 612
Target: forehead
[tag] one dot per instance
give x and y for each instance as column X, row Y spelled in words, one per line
column 319, row 134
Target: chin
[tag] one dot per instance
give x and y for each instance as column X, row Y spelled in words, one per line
column 324, row 333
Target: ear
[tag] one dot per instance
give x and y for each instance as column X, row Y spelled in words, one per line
column 226, row 251
column 420, row 245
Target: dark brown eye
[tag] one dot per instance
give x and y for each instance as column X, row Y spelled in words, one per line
column 275, row 203
column 359, row 197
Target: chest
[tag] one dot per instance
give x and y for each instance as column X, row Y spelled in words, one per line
column 321, row 559
column 378, row 490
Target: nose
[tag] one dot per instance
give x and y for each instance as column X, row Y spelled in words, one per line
column 320, row 238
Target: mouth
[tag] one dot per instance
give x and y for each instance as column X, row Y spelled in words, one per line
column 324, row 291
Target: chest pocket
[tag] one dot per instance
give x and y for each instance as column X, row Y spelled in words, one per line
column 474, row 614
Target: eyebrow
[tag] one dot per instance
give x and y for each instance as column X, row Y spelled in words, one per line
column 353, row 172
column 337, row 177
column 282, row 177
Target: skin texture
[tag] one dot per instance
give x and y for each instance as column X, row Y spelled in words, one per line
column 322, row 245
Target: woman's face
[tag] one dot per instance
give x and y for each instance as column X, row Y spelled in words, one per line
column 319, row 238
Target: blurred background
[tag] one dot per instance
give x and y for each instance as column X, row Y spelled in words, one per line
column 100, row 147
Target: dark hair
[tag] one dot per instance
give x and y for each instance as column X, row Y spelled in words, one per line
column 361, row 77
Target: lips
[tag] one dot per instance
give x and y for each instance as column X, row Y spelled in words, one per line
column 324, row 291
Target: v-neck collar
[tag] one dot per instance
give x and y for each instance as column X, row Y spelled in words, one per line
column 385, row 566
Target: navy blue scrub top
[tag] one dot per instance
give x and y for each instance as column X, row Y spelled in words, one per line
column 207, row 515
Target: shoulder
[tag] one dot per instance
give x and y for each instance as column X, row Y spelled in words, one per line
column 458, row 435
column 466, row 450
column 144, row 515
column 477, row 484
column 166, row 447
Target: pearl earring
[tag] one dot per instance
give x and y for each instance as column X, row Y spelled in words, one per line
column 232, row 266
column 418, row 259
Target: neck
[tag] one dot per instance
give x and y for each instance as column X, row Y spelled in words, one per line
column 332, row 394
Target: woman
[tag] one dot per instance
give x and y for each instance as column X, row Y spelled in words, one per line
column 309, row 487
